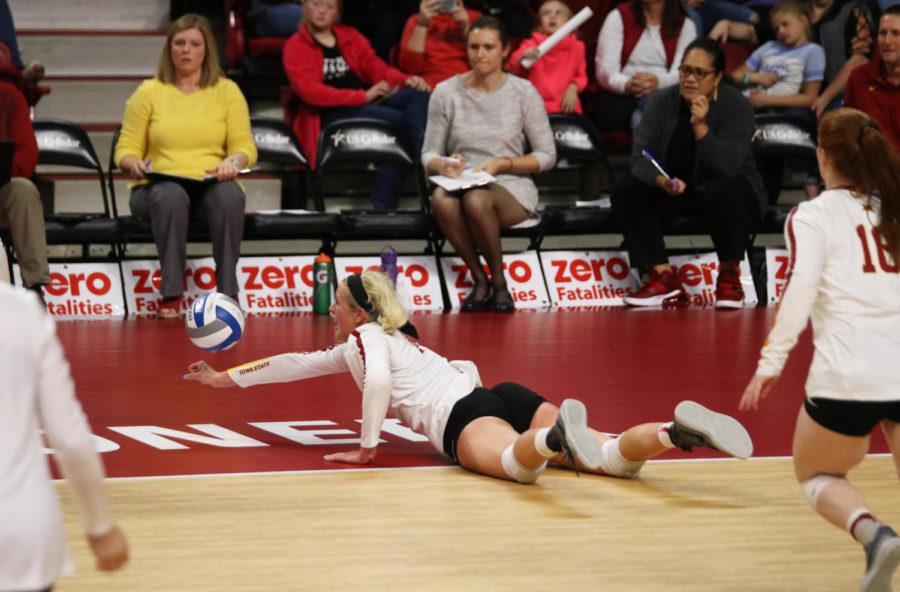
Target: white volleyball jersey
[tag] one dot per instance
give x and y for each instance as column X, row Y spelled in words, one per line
column 418, row 385
column 37, row 392
column 843, row 278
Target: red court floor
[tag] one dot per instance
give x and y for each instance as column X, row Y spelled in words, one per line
column 628, row 367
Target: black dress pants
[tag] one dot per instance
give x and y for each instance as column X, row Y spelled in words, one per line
column 729, row 208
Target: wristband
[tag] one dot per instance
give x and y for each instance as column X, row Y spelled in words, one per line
column 746, row 80
column 422, row 22
column 509, row 170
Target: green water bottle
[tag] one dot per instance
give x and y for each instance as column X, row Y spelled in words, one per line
column 322, row 270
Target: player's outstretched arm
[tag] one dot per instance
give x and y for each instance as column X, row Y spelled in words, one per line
column 757, row 389
column 206, row 374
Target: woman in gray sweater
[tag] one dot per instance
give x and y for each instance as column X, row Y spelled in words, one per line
column 482, row 119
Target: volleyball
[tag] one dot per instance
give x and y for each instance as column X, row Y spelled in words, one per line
column 214, row 322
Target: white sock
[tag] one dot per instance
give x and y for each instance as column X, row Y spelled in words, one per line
column 663, row 434
column 863, row 525
column 540, row 443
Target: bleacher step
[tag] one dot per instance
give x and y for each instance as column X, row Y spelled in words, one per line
column 152, row 15
column 89, row 100
column 97, row 54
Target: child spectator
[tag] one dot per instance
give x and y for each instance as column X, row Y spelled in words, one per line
column 561, row 74
column 786, row 73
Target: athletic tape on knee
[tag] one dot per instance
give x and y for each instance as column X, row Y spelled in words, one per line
column 613, row 463
column 519, row 473
column 813, row 486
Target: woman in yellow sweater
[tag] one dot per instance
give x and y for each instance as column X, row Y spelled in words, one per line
column 189, row 121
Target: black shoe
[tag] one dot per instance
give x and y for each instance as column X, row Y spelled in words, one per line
column 695, row 425
column 571, row 436
column 882, row 557
column 473, row 304
column 503, row 305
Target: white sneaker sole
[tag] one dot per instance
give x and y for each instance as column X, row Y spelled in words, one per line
column 573, row 414
column 878, row 579
column 652, row 301
column 723, row 432
column 730, row 304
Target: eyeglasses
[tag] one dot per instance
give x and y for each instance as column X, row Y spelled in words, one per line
column 698, row 73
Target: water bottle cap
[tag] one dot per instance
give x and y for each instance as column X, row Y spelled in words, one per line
column 322, row 258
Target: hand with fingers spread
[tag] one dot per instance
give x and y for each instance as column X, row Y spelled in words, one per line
column 757, row 389
column 362, row 456
column 205, row 374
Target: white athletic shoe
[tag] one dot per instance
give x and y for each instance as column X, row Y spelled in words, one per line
column 882, row 558
column 695, row 425
column 573, row 435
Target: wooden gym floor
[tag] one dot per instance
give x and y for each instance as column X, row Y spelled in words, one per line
column 227, row 489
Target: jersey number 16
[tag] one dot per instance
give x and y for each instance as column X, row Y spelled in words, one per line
column 884, row 258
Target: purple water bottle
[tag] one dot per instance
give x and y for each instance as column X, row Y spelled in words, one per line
column 389, row 263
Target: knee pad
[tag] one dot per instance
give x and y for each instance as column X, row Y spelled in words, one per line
column 813, row 486
column 614, row 464
column 516, row 471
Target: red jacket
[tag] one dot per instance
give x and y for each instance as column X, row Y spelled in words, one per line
column 632, row 34
column 15, row 123
column 445, row 49
column 303, row 61
column 868, row 91
column 551, row 74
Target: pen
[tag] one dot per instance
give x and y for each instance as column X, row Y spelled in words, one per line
column 646, row 154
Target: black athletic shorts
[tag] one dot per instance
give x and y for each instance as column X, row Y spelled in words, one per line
column 851, row 418
column 511, row 402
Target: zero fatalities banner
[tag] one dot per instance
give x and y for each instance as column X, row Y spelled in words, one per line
column 267, row 284
column 523, row 276
column 698, row 276
column 777, row 265
column 587, row 278
column 82, row 290
column 418, row 282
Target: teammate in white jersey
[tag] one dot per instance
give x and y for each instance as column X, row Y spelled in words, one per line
column 38, row 393
column 845, row 251
column 508, row 431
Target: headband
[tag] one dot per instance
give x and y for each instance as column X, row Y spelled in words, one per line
column 358, row 291
column 355, row 285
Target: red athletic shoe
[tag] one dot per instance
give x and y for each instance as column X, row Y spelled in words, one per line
column 729, row 292
column 662, row 289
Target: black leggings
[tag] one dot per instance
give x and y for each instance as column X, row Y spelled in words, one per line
column 728, row 206
column 511, row 402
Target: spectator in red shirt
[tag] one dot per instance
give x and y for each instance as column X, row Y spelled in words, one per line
column 875, row 87
column 561, row 74
column 434, row 42
column 21, row 210
column 334, row 71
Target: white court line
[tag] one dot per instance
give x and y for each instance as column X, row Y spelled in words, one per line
column 421, row 468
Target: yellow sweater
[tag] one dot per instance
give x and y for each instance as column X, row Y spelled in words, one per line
column 185, row 134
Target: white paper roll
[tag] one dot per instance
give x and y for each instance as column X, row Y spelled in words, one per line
column 560, row 34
